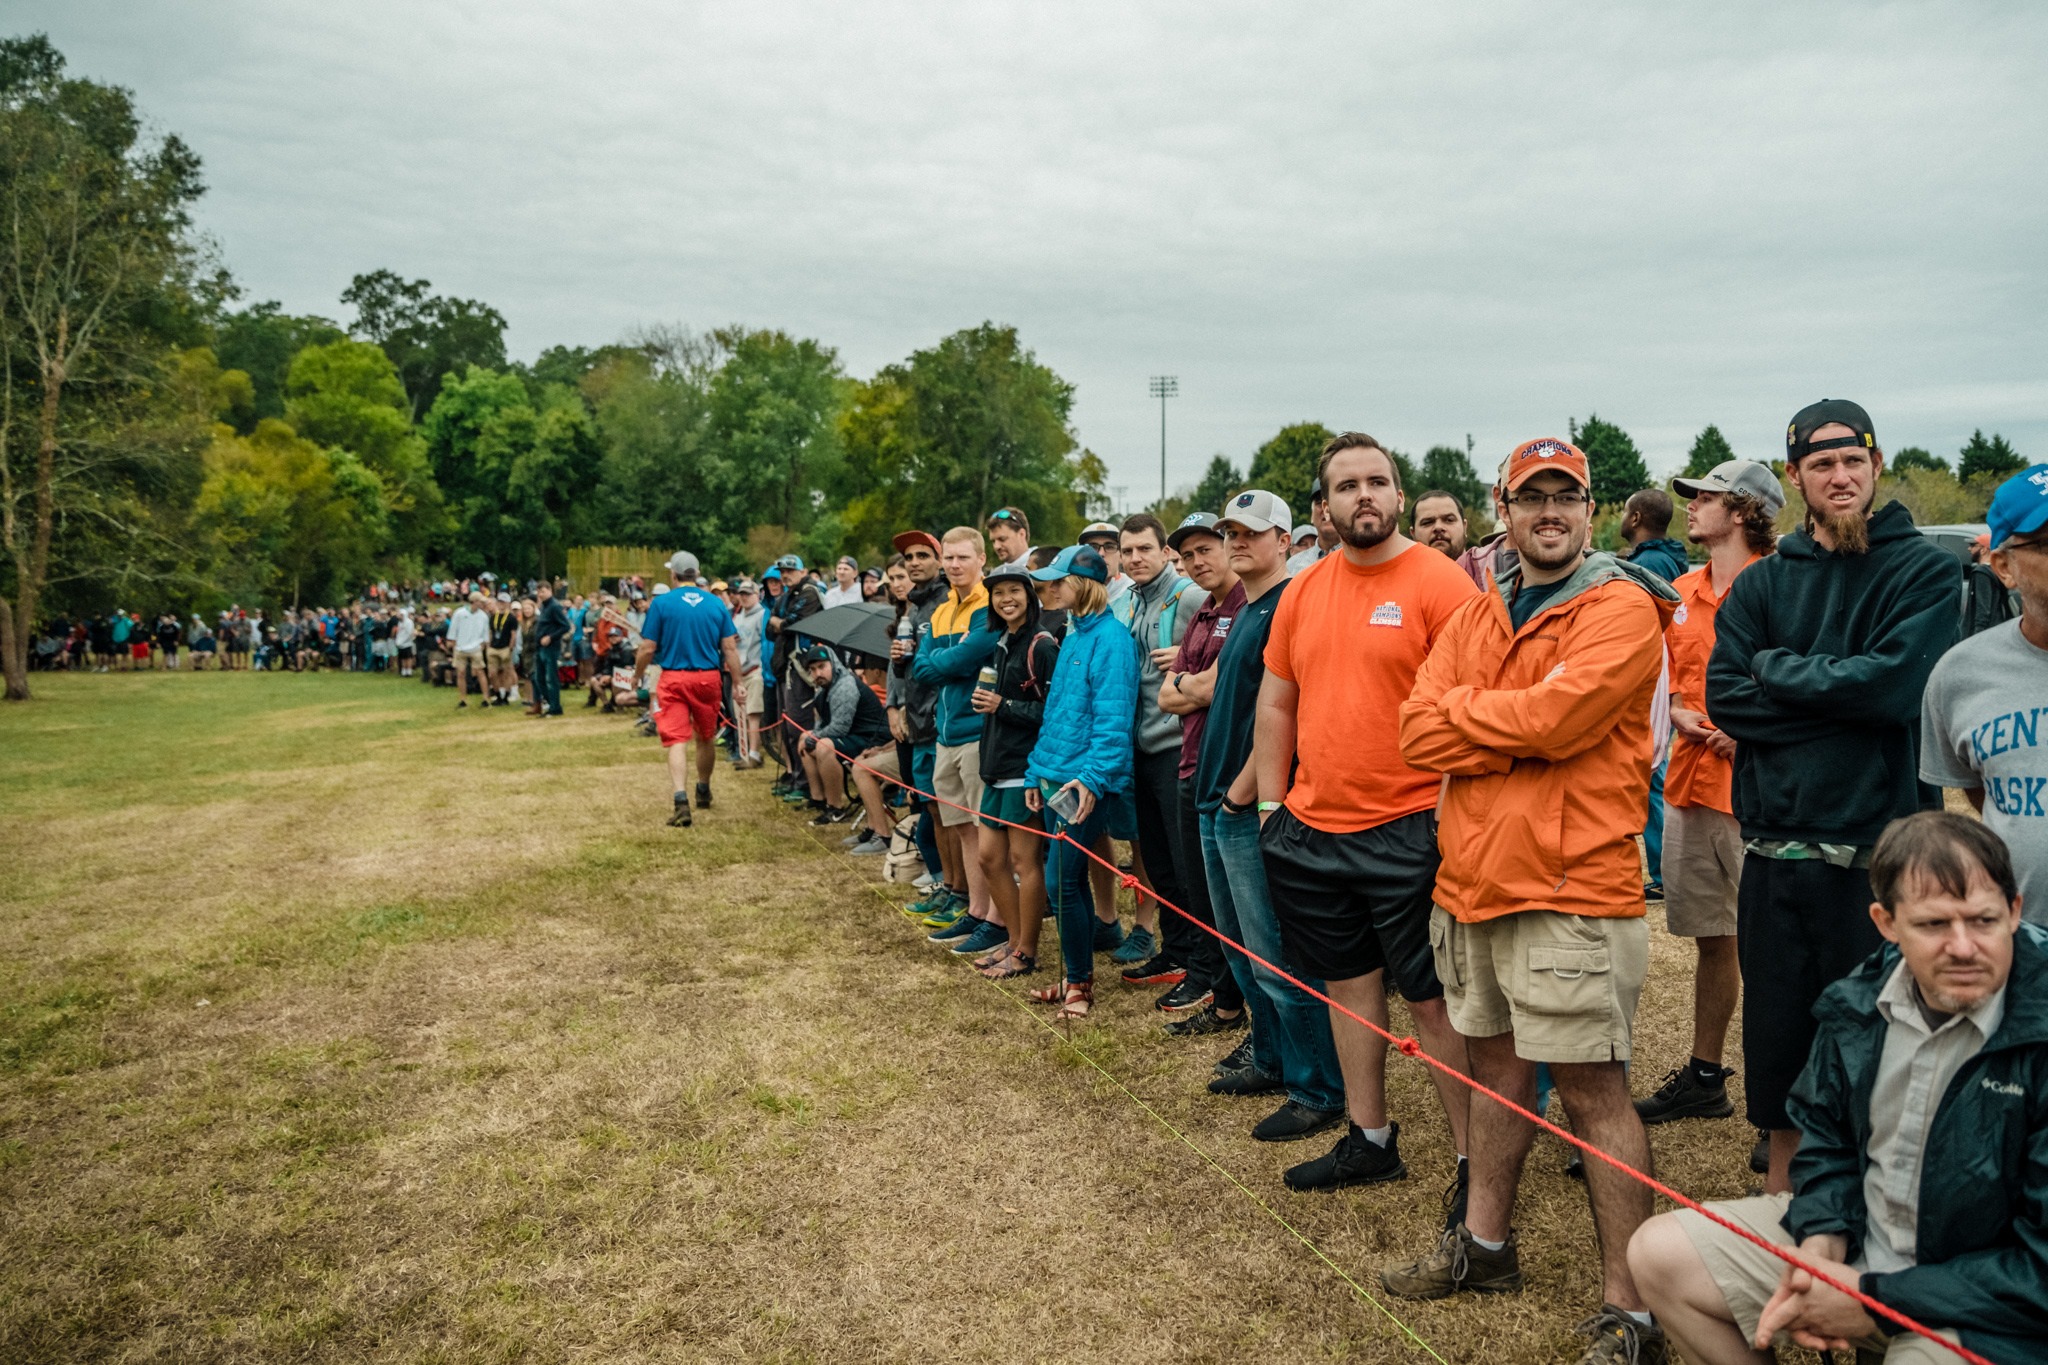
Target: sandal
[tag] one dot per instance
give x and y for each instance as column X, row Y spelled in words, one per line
column 1079, row 996
column 1047, row 995
column 1009, row 965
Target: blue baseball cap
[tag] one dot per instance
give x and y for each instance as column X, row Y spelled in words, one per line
column 1082, row 561
column 773, row 573
column 789, row 562
column 2020, row 506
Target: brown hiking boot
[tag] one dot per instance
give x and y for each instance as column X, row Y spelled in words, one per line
column 1619, row 1339
column 1457, row 1263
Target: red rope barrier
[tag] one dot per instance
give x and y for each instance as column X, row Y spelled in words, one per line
column 1409, row 1047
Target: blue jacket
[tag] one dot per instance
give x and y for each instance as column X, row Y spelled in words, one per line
column 1664, row 557
column 951, row 656
column 1091, row 712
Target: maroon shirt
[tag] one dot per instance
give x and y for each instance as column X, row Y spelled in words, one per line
column 1198, row 649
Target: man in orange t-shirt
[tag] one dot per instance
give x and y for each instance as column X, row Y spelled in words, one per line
column 1350, row 853
column 1730, row 512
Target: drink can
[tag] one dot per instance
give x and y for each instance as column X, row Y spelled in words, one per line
column 987, row 680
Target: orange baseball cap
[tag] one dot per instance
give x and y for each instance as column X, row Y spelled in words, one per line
column 1545, row 452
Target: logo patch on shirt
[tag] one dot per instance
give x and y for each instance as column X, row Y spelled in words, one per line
column 693, row 598
column 1222, row 628
column 1997, row 1089
column 1386, row 614
column 1678, row 617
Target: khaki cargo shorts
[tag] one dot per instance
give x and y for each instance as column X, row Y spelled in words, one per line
column 469, row 663
column 1748, row 1276
column 1702, row 871
column 956, row 778
column 497, row 658
column 1565, row 985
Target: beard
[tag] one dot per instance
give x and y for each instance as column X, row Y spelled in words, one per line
column 1363, row 537
column 1532, row 552
column 1849, row 530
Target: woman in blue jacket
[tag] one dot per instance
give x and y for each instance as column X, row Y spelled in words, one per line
column 1081, row 764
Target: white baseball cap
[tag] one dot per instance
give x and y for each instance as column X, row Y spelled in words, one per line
column 1255, row 510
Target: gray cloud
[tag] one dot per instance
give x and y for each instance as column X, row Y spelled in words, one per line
column 1420, row 220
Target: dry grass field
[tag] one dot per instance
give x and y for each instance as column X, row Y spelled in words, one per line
column 337, row 1025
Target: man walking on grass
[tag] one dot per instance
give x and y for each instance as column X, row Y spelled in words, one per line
column 550, row 629
column 1821, row 656
column 1535, row 702
column 689, row 634
column 1348, row 828
column 1730, row 512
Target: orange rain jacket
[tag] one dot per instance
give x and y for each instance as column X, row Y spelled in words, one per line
column 1545, row 735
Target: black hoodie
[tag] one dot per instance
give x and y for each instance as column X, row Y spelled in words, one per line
column 1024, row 660
column 1819, row 662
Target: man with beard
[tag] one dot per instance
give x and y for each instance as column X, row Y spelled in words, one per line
column 1439, row 522
column 1534, row 701
column 1347, row 828
column 1822, row 653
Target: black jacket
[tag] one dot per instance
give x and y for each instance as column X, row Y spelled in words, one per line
column 920, row 699
column 1023, row 666
column 1818, row 666
column 1982, row 1232
column 551, row 626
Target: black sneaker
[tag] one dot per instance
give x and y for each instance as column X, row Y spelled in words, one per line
column 703, row 796
column 1355, row 1160
column 1240, row 1056
column 680, row 819
column 834, row 815
column 1653, row 891
column 1208, row 1021
column 1456, row 1196
column 1245, row 1080
column 1161, row 970
column 1684, row 1095
column 1184, row 997
column 1760, row 1155
column 1293, row 1121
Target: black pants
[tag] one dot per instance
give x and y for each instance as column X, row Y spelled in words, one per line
column 1155, row 791
column 1801, row 925
column 1200, row 952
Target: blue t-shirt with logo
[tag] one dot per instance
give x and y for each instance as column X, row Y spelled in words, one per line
column 685, row 626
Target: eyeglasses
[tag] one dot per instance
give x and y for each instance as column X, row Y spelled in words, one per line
column 1536, row 502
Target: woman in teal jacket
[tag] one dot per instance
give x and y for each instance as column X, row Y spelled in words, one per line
column 1081, row 764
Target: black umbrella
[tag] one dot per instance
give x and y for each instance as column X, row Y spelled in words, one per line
column 864, row 627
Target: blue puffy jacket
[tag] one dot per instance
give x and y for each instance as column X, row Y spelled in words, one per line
column 1092, row 709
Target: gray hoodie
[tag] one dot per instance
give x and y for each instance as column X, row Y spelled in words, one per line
column 1140, row 610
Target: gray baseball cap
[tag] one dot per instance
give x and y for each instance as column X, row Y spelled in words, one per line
column 1256, row 510
column 683, row 564
column 1193, row 523
column 1747, row 477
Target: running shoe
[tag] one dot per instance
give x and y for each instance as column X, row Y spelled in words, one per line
column 869, row 846
column 1240, row 1056
column 833, row 815
column 1355, row 1160
column 1208, row 1021
column 1293, row 1121
column 1160, row 971
column 987, row 935
column 1109, row 936
column 961, row 928
column 1138, row 946
column 1687, row 1095
column 1184, row 996
column 924, row 881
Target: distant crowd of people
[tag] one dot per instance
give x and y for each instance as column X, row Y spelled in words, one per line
column 1386, row 758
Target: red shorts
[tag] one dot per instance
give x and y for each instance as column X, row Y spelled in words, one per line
column 686, row 704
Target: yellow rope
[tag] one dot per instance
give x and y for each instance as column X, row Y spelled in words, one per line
column 1185, row 1140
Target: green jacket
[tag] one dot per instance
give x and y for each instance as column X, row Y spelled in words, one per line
column 1819, row 663
column 1983, row 1232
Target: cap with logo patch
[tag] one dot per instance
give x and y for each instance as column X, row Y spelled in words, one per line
column 2020, row 506
column 1744, row 477
column 1256, row 510
column 1193, row 523
column 1799, row 440
column 1545, row 453
column 1082, row 561
column 1097, row 528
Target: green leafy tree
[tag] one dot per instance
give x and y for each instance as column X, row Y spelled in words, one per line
column 652, row 488
column 1612, row 458
column 426, row 335
column 772, row 427
column 1220, row 481
column 281, row 519
column 1450, row 469
column 1286, row 464
column 1709, row 448
column 517, row 474
column 261, row 341
column 346, row 394
column 1994, row 458
column 1913, row 457
column 95, row 263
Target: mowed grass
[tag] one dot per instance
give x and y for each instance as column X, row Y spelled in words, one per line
column 336, row 1024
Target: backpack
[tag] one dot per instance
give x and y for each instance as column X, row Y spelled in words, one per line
column 1986, row 601
column 903, row 863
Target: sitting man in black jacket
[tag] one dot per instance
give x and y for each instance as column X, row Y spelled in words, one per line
column 1923, row 1121
column 850, row 723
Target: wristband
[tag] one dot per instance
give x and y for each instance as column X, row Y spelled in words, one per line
column 1231, row 807
column 1267, row 807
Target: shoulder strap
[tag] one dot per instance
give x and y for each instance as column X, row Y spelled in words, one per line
column 1031, row 660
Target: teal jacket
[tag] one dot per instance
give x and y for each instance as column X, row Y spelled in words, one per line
column 949, row 658
column 1983, row 1232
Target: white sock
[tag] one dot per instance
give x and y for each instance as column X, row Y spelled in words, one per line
column 1644, row 1318
column 1380, row 1136
column 1490, row 1246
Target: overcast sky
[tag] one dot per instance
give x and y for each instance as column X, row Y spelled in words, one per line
column 1422, row 221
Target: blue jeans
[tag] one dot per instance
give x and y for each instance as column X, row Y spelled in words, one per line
column 1067, row 897
column 1653, row 827
column 547, row 682
column 1290, row 1030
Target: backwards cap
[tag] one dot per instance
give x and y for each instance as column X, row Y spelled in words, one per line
column 1799, row 440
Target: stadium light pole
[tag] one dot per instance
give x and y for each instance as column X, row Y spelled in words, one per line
column 1164, row 386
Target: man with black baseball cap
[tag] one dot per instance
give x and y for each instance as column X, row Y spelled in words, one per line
column 1821, row 654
